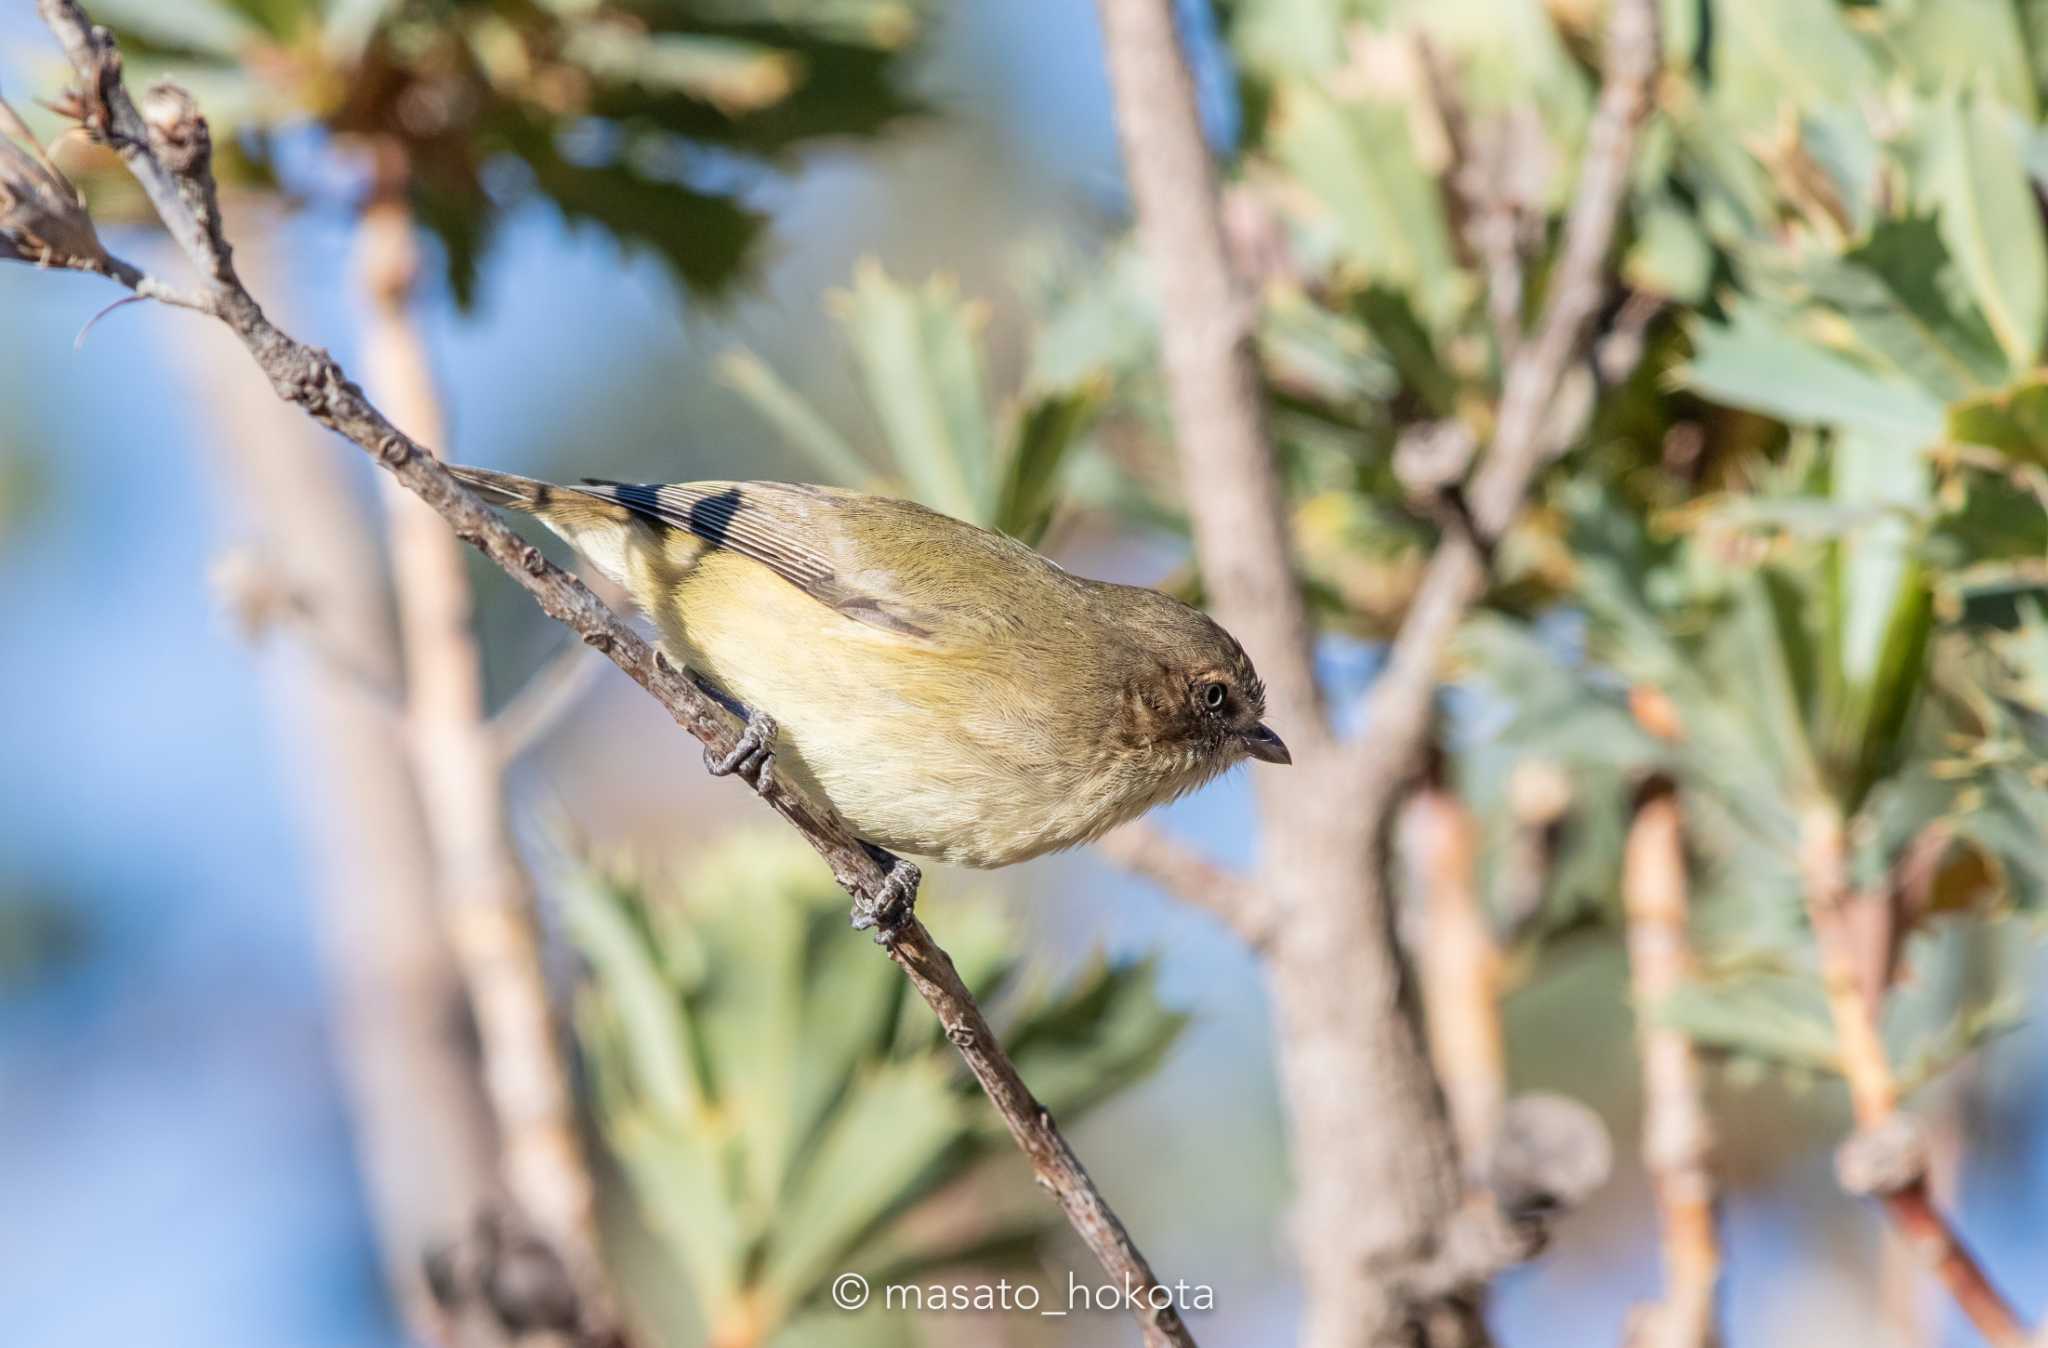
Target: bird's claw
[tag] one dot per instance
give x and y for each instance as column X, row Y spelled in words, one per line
column 753, row 757
column 893, row 905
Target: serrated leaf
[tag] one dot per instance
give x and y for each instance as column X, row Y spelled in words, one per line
column 1881, row 615
column 1101, row 1032
column 1991, row 221
column 1770, row 52
column 735, row 75
column 704, row 238
column 896, row 1126
column 1904, row 302
column 2013, row 421
column 1756, row 364
column 1040, row 438
column 1777, row 1017
column 801, row 425
column 1963, row 46
column 1357, row 160
column 920, row 357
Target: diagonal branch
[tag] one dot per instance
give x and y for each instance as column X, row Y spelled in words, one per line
column 1885, row 1159
column 1146, row 850
column 1397, row 709
column 166, row 147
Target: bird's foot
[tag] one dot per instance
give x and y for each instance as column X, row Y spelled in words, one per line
column 894, row 905
column 753, row 758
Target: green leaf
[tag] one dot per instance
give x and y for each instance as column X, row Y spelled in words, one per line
column 920, row 356
column 2013, row 422
column 704, row 238
column 1905, row 302
column 603, row 918
column 1990, row 221
column 185, row 26
column 1963, row 46
column 733, row 74
column 1755, row 363
column 1040, row 438
column 1096, row 1036
column 896, row 1125
column 1881, row 615
column 1771, row 52
column 1357, row 160
column 805, row 430
column 1778, row 1017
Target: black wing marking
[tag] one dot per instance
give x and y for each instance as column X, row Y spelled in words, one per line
column 767, row 522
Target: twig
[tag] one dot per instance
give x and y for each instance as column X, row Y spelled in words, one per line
column 1458, row 968
column 260, row 600
column 1539, row 799
column 1059, row 1171
column 169, row 155
column 1884, row 1159
column 1149, row 851
column 543, row 700
column 1488, row 215
column 1678, row 1140
column 1397, row 708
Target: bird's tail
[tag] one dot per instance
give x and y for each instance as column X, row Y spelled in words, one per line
column 506, row 489
column 595, row 524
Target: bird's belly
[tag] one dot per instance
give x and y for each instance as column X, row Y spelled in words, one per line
column 920, row 751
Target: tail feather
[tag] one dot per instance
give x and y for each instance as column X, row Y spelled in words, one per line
column 601, row 528
column 508, row 490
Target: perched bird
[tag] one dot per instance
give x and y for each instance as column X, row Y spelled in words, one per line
column 951, row 692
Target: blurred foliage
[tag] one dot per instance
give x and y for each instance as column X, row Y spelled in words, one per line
column 786, row 1107
column 647, row 118
column 1802, row 515
column 922, row 361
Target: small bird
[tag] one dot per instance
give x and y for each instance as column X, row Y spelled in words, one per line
column 952, row 693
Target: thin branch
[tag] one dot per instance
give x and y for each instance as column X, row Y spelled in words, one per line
column 169, row 154
column 1397, row 708
column 1457, row 967
column 544, row 699
column 1488, row 215
column 1219, row 417
column 1885, row 1159
column 1146, row 850
column 486, row 900
column 1678, row 1140
column 260, row 599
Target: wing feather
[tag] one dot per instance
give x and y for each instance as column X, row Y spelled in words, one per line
column 794, row 529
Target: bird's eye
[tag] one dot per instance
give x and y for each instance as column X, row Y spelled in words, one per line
column 1214, row 695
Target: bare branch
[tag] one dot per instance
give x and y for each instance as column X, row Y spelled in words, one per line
column 169, row 155
column 1457, row 967
column 260, row 599
column 1884, row 1160
column 1219, row 416
column 1149, row 851
column 486, row 900
column 1397, row 708
column 1678, row 1140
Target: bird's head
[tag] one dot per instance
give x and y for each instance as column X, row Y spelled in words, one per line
column 1192, row 702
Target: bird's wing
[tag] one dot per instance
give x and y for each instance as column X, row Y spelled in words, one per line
column 888, row 564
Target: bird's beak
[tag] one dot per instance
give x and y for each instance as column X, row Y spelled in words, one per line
column 1261, row 743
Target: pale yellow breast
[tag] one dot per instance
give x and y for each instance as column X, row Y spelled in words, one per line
column 943, row 753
